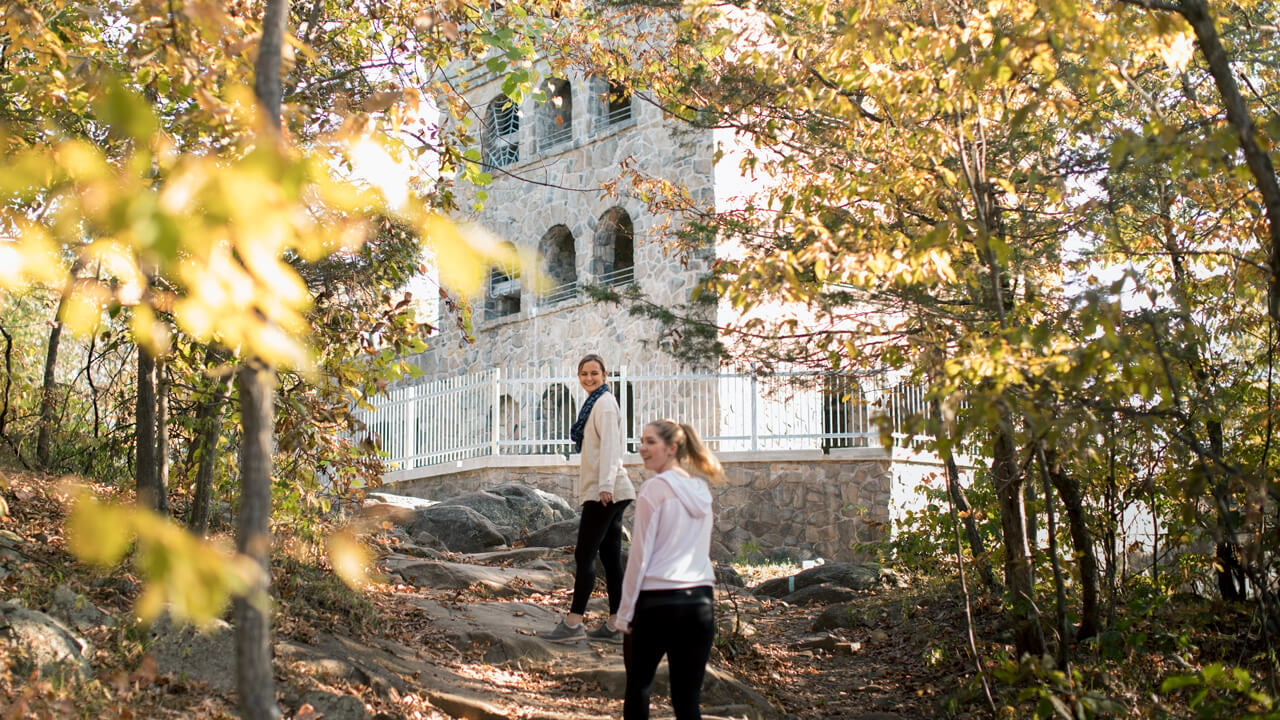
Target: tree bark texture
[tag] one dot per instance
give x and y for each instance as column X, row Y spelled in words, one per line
column 255, row 678
column 209, row 422
column 162, row 437
column 1055, row 562
column 49, row 390
column 1019, row 584
column 960, row 501
column 1082, row 544
column 145, row 474
column 1256, row 157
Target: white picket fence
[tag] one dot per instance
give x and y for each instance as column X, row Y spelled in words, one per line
column 488, row 414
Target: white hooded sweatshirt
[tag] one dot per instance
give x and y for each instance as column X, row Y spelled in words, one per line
column 670, row 541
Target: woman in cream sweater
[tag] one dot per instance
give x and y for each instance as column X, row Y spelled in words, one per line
column 605, row 491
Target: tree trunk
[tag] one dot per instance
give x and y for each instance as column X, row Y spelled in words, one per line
column 209, row 423
column 1081, row 544
column 1227, row 554
column 1019, row 582
column 1055, row 562
column 49, row 389
column 162, row 437
column 145, row 471
column 1111, row 554
column 1256, row 157
column 960, row 501
column 8, row 386
column 255, row 678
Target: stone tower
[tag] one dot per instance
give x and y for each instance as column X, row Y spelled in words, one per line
column 551, row 162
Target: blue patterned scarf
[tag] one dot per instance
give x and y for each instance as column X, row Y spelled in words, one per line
column 580, row 425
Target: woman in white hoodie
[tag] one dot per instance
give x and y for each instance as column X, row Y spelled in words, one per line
column 667, row 599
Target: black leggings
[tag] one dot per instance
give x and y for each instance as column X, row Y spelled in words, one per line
column 681, row 625
column 599, row 533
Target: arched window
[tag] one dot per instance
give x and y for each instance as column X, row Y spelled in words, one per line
column 610, row 103
column 614, row 258
column 509, row 431
column 556, row 116
column 500, row 137
column 844, row 413
column 560, row 263
column 556, row 413
column 503, row 296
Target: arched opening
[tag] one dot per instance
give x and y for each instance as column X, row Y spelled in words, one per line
column 610, row 103
column 560, row 263
column 556, row 413
column 509, row 431
column 500, row 137
column 614, row 262
column 556, row 125
column 503, row 293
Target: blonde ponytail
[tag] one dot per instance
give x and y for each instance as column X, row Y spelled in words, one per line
column 690, row 452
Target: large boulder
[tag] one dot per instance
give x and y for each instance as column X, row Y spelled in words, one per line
column 42, row 641
column 855, row 576
column 206, row 655
column 78, row 611
column 557, row 535
column 459, row 527
column 516, row 509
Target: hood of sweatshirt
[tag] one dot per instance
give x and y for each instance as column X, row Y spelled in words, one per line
column 692, row 492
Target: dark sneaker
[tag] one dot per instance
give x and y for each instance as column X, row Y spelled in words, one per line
column 563, row 633
column 605, row 634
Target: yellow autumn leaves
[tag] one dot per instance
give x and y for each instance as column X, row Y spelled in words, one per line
column 205, row 242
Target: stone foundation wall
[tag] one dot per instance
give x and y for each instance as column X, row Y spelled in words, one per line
column 788, row 505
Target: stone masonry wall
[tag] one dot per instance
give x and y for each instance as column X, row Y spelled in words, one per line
column 794, row 509
column 578, row 186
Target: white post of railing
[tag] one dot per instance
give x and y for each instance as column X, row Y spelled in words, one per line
column 755, row 417
column 409, row 440
column 622, row 398
column 496, row 413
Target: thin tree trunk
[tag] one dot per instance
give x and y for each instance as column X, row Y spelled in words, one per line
column 162, row 437
column 1256, row 157
column 964, row 587
column 209, row 423
column 145, row 475
column 49, row 388
column 1055, row 562
column 1019, row 583
column 8, row 386
column 255, row 678
column 1111, row 505
column 1081, row 543
column 960, row 502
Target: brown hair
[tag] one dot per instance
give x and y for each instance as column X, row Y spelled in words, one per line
column 690, row 451
column 592, row 357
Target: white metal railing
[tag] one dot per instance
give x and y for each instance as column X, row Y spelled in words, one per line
column 560, row 293
column 486, row 414
column 621, row 276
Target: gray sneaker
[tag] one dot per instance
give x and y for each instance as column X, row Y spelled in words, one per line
column 605, row 634
column 563, row 633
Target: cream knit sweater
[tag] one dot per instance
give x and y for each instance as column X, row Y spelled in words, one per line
column 601, row 469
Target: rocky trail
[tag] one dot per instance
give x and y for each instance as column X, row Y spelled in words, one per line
column 453, row 634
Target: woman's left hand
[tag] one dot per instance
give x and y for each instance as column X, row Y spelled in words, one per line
column 606, row 497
